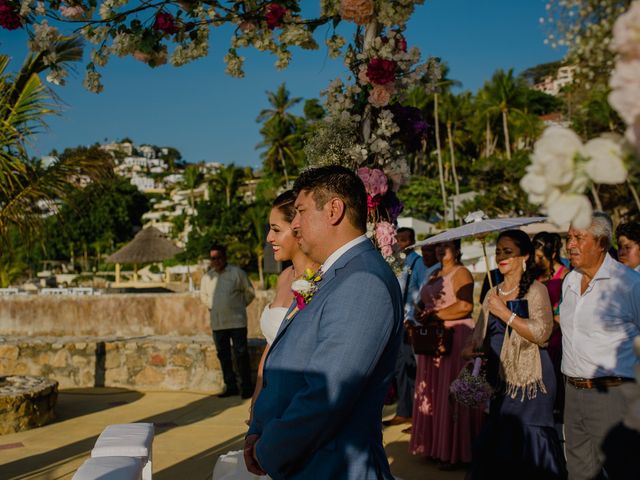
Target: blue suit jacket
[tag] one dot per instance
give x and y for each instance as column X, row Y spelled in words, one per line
column 325, row 378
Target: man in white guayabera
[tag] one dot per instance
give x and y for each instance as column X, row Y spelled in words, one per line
column 599, row 317
column 226, row 291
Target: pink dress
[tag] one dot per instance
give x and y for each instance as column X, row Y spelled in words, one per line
column 443, row 429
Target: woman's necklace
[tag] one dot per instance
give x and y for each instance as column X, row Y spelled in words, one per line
column 507, row 292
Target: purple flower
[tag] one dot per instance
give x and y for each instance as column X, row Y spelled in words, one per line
column 413, row 127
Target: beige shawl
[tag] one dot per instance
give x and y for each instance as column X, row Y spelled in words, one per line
column 520, row 364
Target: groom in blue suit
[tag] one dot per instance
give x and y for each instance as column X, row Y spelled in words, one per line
column 327, row 372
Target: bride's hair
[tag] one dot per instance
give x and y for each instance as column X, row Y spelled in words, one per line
column 285, row 203
column 525, row 246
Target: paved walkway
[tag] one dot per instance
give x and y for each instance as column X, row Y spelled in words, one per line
column 192, row 430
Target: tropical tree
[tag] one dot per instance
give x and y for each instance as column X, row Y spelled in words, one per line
column 504, row 94
column 26, row 187
column 456, row 109
column 281, row 138
column 192, row 178
column 257, row 215
column 227, row 179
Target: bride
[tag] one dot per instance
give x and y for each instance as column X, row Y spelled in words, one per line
column 285, row 248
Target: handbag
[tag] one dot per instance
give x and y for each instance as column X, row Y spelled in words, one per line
column 432, row 338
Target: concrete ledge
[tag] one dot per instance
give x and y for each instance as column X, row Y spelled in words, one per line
column 143, row 363
column 125, row 315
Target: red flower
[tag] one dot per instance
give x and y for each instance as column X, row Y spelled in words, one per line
column 274, row 15
column 299, row 301
column 9, row 17
column 165, row 23
column 381, row 71
column 372, row 203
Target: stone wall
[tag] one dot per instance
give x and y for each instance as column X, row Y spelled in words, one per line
column 121, row 315
column 151, row 363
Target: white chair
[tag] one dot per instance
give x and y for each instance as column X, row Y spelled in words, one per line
column 110, row 468
column 127, row 440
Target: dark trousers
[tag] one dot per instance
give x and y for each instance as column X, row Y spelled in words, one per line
column 589, row 416
column 238, row 338
column 405, row 378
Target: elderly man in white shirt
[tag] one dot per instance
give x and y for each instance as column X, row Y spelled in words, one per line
column 599, row 317
column 226, row 291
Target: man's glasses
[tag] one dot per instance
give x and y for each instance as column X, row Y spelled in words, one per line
column 213, row 259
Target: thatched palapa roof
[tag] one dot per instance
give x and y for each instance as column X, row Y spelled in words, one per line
column 149, row 245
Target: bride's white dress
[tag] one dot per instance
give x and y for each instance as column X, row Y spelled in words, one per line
column 231, row 466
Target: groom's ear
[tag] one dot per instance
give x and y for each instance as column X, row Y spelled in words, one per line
column 335, row 209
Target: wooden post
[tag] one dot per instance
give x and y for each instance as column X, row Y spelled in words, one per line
column 117, row 273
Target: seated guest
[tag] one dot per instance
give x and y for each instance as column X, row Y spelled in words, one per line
column 519, row 439
column 443, row 430
column 628, row 235
column 600, row 317
column 551, row 273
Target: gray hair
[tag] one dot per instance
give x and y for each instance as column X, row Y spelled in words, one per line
column 602, row 227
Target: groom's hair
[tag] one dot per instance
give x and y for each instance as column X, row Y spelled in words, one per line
column 336, row 181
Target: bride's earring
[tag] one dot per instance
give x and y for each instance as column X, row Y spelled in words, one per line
column 524, row 265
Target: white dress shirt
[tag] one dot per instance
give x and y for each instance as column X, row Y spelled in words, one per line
column 331, row 259
column 226, row 295
column 598, row 326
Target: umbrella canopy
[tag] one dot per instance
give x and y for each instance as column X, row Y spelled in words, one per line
column 477, row 226
column 480, row 226
column 149, row 245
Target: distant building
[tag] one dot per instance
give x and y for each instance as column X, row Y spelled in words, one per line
column 143, row 183
column 552, row 84
column 124, row 147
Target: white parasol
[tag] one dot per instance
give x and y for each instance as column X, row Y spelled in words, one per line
column 477, row 225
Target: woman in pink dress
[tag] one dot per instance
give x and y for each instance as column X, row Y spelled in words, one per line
column 442, row 429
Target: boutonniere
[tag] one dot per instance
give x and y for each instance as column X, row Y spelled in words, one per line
column 304, row 289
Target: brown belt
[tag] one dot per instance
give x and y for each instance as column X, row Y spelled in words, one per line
column 600, row 382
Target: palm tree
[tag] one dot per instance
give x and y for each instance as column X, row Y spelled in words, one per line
column 192, row 178
column 26, row 187
column 281, row 103
column 228, row 178
column 505, row 93
column 281, row 139
column 455, row 110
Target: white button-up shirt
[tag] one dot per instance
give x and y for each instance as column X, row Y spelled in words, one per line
column 226, row 295
column 598, row 326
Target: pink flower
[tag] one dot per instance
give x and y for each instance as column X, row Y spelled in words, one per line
column 358, row 11
column 380, row 96
column 381, row 71
column 9, row 16
column 385, row 234
column 401, row 42
column 165, row 23
column 362, row 76
column 74, row 12
column 375, row 181
column 274, row 15
column 247, row 27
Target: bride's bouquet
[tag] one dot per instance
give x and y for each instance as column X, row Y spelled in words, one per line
column 471, row 387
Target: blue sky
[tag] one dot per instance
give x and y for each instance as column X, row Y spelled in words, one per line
column 210, row 116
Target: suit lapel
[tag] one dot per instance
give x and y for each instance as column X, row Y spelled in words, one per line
column 322, row 284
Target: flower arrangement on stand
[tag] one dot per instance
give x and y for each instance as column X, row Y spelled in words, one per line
column 562, row 168
column 367, row 127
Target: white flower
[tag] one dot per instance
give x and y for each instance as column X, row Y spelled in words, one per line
column 57, row 76
column 302, row 286
column 570, row 208
column 605, row 163
column 626, row 32
column 555, row 152
column 625, row 90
